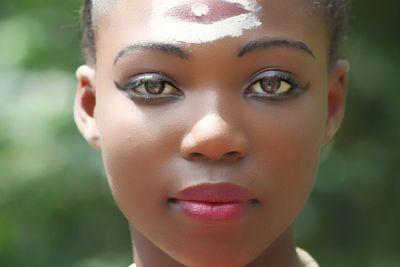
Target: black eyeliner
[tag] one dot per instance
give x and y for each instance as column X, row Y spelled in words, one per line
column 143, row 78
column 285, row 76
column 136, row 81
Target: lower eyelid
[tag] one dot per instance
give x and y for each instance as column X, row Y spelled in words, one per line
column 147, row 98
column 296, row 91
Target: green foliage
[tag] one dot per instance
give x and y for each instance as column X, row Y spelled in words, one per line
column 55, row 205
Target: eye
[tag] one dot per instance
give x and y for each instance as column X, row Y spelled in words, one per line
column 275, row 85
column 151, row 87
column 155, row 88
column 271, row 86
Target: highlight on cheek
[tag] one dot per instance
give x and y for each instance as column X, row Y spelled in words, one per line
column 200, row 21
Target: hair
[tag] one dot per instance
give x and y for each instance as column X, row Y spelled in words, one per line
column 88, row 39
column 337, row 12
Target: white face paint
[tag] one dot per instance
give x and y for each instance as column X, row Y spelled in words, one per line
column 102, row 7
column 203, row 21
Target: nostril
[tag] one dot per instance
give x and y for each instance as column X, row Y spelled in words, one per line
column 213, row 138
column 232, row 155
column 196, row 155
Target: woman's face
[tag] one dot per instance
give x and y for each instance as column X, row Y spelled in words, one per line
column 211, row 145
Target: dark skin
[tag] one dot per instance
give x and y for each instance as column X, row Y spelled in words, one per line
column 212, row 126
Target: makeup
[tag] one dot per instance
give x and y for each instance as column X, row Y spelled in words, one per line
column 102, row 7
column 214, row 202
column 201, row 21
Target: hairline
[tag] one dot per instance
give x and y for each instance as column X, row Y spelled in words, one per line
column 336, row 31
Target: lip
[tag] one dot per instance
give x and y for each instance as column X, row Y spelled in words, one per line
column 214, row 202
column 218, row 10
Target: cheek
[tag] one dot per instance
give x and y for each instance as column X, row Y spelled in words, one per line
column 135, row 142
column 140, row 148
column 287, row 151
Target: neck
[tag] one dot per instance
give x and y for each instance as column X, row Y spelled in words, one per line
column 282, row 252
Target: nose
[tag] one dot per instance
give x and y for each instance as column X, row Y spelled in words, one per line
column 214, row 139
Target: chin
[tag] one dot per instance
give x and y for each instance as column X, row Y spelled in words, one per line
column 224, row 254
column 231, row 260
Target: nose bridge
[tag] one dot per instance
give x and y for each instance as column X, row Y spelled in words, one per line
column 215, row 136
column 212, row 126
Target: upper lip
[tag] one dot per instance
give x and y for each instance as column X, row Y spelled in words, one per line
column 215, row 193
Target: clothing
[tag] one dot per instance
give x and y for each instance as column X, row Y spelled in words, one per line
column 303, row 255
column 306, row 258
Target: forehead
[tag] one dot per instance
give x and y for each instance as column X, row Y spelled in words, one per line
column 145, row 10
column 105, row 7
column 124, row 22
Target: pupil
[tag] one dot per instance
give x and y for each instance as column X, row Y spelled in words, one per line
column 154, row 88
column 271, row 85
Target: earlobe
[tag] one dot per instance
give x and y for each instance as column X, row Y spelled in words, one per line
column 85, row 105
column 337, row 92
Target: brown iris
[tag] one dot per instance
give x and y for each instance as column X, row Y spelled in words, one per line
column 154, row 88
column 271, row 85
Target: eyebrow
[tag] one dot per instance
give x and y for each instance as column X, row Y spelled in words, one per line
column 269, row 42
column 163, row 47
column 177, row 51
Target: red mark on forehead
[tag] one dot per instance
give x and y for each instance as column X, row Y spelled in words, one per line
column 206, row 11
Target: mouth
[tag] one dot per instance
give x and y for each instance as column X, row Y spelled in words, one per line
column 214, row 202
column 207, row 12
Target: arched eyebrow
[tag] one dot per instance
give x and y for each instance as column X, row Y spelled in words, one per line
column 268, row 42
column 172, row 49
column 163, row 47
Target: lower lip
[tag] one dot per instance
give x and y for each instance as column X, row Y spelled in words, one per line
column 213, row 211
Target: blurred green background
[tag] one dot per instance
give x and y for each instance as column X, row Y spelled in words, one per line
column 55, row 205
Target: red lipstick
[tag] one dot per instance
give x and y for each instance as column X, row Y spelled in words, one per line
column 216, row 11
column 222, row 201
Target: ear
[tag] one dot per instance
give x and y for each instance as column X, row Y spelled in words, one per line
column 337, row 92
column 85, row 105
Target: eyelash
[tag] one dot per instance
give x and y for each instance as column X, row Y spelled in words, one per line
column 281, row 77
column 136, row 87
column 132, row 88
